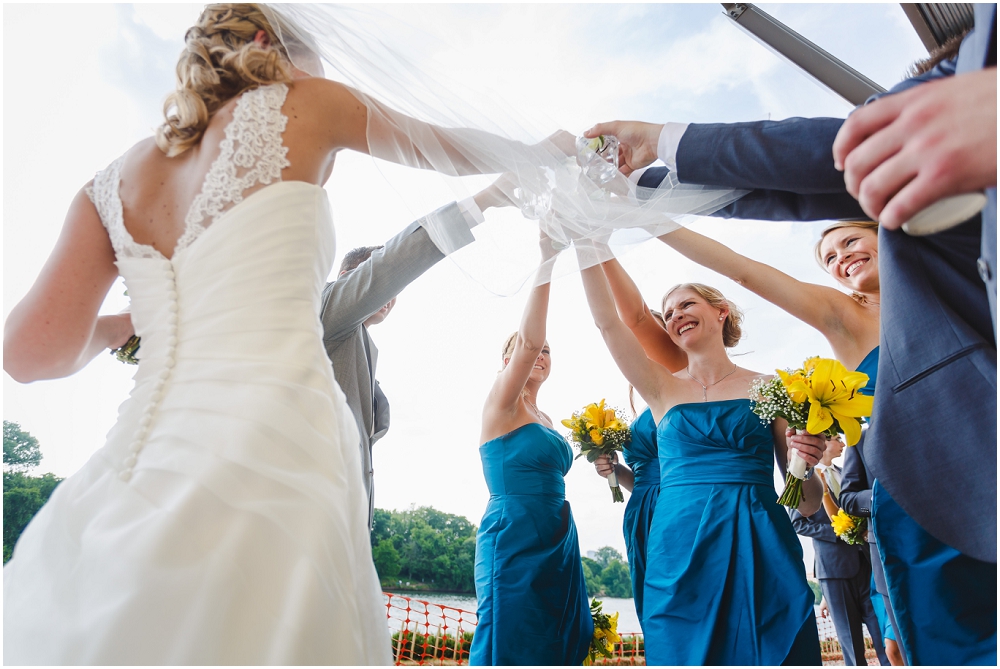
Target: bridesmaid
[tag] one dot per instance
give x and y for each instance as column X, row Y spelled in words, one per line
column 931, row 585
column 640, row 474
column 729, row 584
column 532, row 598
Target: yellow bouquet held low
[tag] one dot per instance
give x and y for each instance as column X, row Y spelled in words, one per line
column 821, row 398
column 849, row 528
column 605, row 634
column 598, row 430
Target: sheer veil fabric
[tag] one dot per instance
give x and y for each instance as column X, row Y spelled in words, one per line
column 420, row 115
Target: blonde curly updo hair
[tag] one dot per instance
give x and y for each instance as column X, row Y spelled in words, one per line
column 220, row 61
column 732, row 328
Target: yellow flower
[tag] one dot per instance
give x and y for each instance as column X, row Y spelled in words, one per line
column 842, row 523
column 833, row 395
column 570, row 423
column 594, row 415
column 596, row 436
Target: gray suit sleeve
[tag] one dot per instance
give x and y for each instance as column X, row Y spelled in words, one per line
column 355, row 296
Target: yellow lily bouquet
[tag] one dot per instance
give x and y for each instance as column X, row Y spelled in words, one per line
column 849, row 528
column 599, row 431
column 605, row 634
column 822, row 398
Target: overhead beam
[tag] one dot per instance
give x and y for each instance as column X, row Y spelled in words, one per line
column 828, row 70
column 936, row 23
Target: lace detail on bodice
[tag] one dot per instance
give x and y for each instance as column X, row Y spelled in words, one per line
column 251, row 154
column 104, row 194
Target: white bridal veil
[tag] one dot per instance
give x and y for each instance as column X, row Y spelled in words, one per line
column 422, row 116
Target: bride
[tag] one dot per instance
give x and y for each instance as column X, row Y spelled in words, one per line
column 224, row 521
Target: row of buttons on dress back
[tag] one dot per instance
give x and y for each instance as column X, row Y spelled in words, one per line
column 149, row 413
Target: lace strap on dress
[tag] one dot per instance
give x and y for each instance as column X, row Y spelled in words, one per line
column 103, row 192
column 251, row 154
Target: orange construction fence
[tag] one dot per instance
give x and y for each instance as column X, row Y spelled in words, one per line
column 427, row 633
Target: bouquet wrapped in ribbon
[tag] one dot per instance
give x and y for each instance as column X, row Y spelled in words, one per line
column 605, row 634
column 599, row 431
column 822, row 398
column 849, row 528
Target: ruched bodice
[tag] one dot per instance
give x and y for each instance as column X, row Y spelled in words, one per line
column 641, row 454
column 727, row 584
column 716, row 442
column 531, row 460
column 532, row 598
column 642, row 458
column 225, row 519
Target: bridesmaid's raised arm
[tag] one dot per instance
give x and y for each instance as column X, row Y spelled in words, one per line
column 636, row 315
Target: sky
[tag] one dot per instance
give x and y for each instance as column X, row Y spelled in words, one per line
column 95, row 85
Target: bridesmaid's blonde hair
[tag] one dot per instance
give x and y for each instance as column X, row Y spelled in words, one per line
column 220, row 61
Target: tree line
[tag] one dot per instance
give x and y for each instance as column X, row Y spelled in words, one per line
column 434, row 550
column 23, row 495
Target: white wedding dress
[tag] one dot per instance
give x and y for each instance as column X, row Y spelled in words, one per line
column 225, row 519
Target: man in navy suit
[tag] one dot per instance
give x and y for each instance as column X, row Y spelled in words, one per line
column 932, row 444
column 844, row 572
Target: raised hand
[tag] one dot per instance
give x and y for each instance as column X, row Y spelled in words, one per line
column 906, row 151
column 637, row 142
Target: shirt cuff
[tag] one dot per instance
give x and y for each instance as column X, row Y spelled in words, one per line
column 670, row 139
column 450, row 227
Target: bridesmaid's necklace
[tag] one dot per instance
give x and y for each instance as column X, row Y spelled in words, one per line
column 532, row 405
column 705, row 388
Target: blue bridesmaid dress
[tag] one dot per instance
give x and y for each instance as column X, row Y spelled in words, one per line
column 641, row 457
column 727, row 585
column 532, row 598
column 944, row 602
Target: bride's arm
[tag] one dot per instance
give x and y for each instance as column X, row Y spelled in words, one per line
column 348, row 121
column 55, row 330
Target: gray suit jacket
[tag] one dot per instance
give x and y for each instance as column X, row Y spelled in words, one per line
column 349, row 301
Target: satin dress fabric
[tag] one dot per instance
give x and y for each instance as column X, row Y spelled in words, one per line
column 238, row 534
column 728, row 585
column 532, row 597
column 641, row 457
column 944, row 601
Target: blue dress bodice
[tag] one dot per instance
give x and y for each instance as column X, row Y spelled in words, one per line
column 532, row 597
column 642, row 457
column 727, row 585
column 870, row 367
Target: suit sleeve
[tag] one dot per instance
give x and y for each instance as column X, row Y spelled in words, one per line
column 787, row 165
column 816, row 526
column 355, row 296
column 855, row 490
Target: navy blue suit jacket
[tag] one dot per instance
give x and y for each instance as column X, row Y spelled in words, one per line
column 834, row 558
column 934, row 420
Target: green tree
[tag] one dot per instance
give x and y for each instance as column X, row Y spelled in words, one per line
column 23, row 495
column 20, row 449
column 386, row 559
column 616, row 580
column 607, row 555
column 594, row 586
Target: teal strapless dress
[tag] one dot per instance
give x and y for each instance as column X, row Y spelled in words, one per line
column 532, row 598
column 727, row 585
column 944, row 602
column 642, row 458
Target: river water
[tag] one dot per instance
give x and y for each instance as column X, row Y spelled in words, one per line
column 628, row 620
